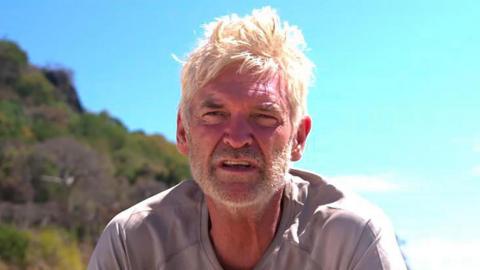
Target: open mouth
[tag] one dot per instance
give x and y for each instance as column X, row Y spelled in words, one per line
column 237, row 165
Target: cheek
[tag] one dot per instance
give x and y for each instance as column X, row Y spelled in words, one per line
column 204, row 138
column 273, row 141
column 209, row 132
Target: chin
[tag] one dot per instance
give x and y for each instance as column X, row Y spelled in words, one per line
column 253, row 198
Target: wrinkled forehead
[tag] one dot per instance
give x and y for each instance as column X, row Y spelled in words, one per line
column 248, row 84
column 263, row 91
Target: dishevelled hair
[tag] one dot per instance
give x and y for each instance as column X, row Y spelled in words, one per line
column 258, row 44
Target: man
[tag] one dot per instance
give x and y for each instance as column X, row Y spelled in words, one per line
column 242, row 119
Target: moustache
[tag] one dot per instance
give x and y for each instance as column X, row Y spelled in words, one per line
column 247, row 152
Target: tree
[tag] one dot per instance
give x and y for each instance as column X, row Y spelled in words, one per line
column 12, row 61
column 64, row 89
column 15, row 186
column 85, row 187
column 34, row 88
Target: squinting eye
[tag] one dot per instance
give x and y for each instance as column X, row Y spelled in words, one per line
column 265, row 120
column 214, row 117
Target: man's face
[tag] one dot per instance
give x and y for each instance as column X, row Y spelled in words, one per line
column 238, row 138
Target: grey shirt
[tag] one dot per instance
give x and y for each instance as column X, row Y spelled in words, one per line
column 320, row 228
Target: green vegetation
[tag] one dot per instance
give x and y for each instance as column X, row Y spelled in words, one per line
column 55, row 248
column 65, row 172
column 13, row 245
column 12, row 61
column 13, row 121
column 46, row 248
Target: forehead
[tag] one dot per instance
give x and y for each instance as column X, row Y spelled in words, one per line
column 231, row 87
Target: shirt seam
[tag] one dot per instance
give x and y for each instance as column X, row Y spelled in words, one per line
column 304, row 250
column 170, row 257
column 373, row 245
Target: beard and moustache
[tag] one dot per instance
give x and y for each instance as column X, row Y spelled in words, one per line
column 269, row 177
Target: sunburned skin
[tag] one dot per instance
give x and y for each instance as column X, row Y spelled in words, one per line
column 240, row 140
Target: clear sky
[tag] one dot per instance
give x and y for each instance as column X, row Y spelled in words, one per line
column 395, row 105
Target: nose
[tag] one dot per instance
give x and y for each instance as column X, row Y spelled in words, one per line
column 238, row 133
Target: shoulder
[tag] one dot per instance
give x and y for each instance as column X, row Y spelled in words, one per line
column 365, row 232
column 323, row 200
column 340, row 225
column 147, row 233
column 167, row 204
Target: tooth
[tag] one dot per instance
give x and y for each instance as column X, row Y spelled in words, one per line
column 236, row 163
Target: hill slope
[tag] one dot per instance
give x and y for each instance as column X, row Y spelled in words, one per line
column 64, row 167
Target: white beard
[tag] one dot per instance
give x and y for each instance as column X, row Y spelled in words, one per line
column 270, row 180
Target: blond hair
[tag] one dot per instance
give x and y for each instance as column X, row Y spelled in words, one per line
column 258, row 44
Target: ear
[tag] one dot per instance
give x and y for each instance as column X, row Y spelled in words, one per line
column 182, row 143
column 300, row 138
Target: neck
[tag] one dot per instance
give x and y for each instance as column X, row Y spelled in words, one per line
column 245, row 231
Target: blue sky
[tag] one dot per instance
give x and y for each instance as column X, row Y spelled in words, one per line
column 395, row 104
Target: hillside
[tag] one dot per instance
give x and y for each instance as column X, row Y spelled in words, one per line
column 64, row 172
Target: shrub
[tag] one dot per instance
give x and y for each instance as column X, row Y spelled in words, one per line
column 13, row 245
column 34, row 88
column 44, row 129
column 54, row 249
column 12, row 120
column 12, row 61
column 100, row 131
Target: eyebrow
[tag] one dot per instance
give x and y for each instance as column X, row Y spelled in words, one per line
column 211, row 103
column 269, row 107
